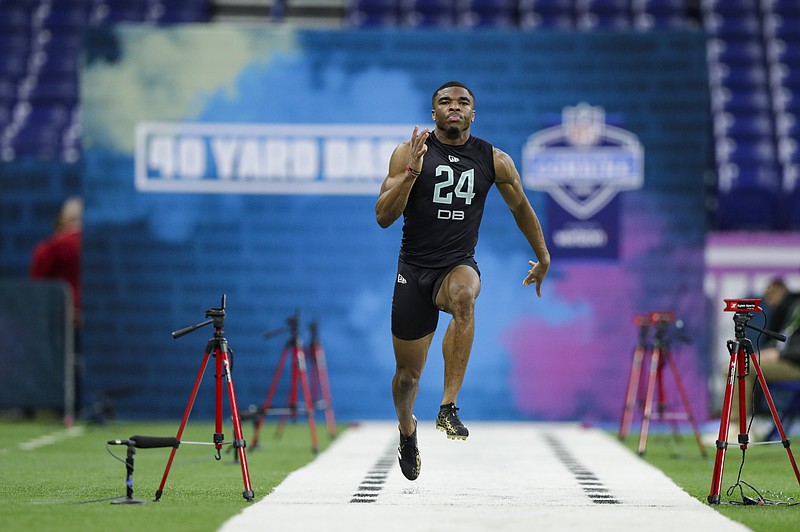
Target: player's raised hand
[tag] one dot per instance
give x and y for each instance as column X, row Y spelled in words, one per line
column 418, row 148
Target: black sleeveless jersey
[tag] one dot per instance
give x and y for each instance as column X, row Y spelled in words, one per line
column 445, row 207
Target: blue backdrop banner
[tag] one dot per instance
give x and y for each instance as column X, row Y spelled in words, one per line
column 247, row 161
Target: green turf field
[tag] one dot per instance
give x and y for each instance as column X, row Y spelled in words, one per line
column 766, row 468
column 68, row 484
column 58, row 479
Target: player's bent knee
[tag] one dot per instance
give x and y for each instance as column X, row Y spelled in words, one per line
column 462, row 300
column 405, row 380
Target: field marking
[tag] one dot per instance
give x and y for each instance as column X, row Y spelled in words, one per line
column 505, row 477
column 51, row 438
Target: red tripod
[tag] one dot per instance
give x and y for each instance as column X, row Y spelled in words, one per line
column 320, row 385
column 660, row 357
column 218, row 347
column 299, row 375
column 741, row 357
column 643, row 324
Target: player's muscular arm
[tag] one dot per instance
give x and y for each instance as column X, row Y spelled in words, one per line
column 399, row 181
column 509, row 184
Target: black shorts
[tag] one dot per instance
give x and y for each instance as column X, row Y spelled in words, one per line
column 414, row 310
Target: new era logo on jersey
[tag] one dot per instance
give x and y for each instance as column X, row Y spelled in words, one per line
column 453, row 158
column 401, row 279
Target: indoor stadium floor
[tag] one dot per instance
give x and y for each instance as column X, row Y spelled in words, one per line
column 506, row 476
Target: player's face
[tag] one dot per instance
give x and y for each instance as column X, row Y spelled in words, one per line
column 453, row 110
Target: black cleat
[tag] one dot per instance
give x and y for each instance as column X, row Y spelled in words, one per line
column 447, row 421
column 408, row 455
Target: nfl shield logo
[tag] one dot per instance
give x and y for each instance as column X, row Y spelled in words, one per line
column 583, row 124
column 583, row 162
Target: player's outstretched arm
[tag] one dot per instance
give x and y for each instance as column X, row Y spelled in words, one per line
column 509, row 184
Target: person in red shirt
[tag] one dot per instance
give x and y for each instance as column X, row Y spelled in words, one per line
column 59, row 256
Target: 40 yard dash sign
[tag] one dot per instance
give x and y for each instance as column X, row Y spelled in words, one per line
column 264, row 158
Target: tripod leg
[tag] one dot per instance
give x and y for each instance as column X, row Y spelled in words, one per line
column 632, row 391
column 186, row 413
column 270, row 394
column 662, row 394
column 655, row 360
column 303, row 373
column 741, row 375
column 686, row 404
column 291, row 396
column 219, row 375
column 725, row 418
column 238, row 438
column 318, row 354
column 774, row 411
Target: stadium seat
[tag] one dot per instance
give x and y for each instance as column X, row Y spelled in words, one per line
column 65, row 18
column 549, row 6
column 547, row 14
column 647, row 21
column 14, row 16
column 123, row 14
column 194, row 15
column 62, row 43
column 604, row 8
column 754, row 152
column 730, row 8
column 5, row 116
column 55, row 89
column 782, row 26
column 740, row 77
column 785, row 52
column 787, row 124
column 743, row 101
column 8, row 90
column 366, row 13
column 15, row 43
column 533, row 20
column 595, row 21
column 782, row 7
column 427, row 13
column 785, row 76
column 486, row 13
column 742, row 53
column 744, row 126
column 58, row 58
column 786, row 99
column 51, row 115
column 658, row 6
column 12, row 66
column 735, row 28
column 37, row 141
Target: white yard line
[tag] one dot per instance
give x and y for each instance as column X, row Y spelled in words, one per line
column 51, row 438
column 505, row 477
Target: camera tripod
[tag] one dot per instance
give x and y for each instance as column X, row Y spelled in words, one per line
column 642, row 322
column 660, row 357
column 218, row 348
column 741, row 359
column 299, row 375
column 320, row 384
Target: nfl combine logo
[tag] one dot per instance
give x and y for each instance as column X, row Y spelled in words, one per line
column 583, row 162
